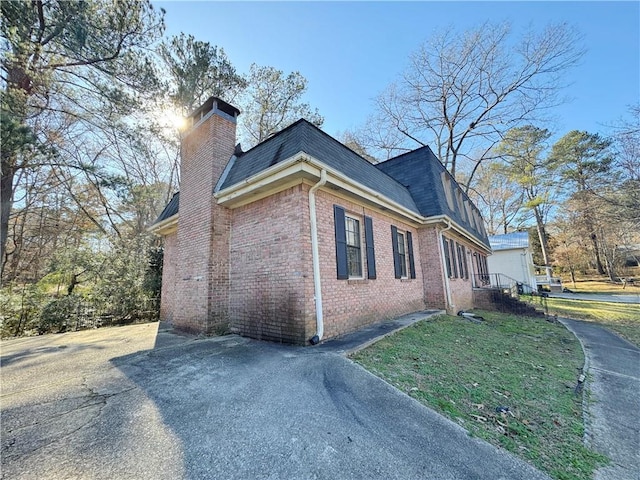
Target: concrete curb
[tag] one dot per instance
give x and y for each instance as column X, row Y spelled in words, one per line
column 354, row 342
column 586, row 416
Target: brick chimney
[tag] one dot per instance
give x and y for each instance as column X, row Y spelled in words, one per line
column 202, row 267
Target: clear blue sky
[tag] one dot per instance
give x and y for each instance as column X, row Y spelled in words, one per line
column 349, row 51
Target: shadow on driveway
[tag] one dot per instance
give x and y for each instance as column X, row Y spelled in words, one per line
column 230, row 408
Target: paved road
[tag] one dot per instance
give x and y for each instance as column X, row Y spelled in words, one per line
column 613, row 405
column 601, row 297
column 138, row 403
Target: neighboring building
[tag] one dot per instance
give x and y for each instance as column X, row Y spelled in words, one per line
column 512, row 257
column 512, row 260
column 300, row 239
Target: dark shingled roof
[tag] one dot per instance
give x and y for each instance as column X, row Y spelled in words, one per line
column 421, row 172
column 413, row 180
column 303, row 136
column 171, row 209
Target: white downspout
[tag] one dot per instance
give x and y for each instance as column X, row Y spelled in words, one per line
column 447, row 286
column 316, row 258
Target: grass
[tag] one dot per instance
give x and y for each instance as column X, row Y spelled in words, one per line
column 600, row 284
column 466, row 371
column 622, row 318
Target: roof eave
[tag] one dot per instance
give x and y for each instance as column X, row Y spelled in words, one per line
column 307, row 166
column 447, row 220
column 165, row 227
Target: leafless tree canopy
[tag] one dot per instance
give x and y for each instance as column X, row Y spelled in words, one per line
column 461, row 91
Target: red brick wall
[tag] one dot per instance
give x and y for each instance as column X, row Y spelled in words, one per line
column 202, row 281
column 350, row 304
column 251, row 268
column 271, row 270
column 431, row 267
column 271, row 291
column 168, row 298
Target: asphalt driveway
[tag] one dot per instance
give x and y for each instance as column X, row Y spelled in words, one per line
column 132, row 402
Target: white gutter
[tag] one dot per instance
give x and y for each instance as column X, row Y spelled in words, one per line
column 303, row 162
column 453, row 225
column 447, row 286
column 316, row 258
column 157, row 228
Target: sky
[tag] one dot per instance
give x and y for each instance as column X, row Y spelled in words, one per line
column 350, row 51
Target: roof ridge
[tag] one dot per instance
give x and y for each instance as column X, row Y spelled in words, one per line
column 397, row 157
column 360, row 157
column 277, row 134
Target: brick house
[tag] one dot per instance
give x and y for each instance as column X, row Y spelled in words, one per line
column 300, row 239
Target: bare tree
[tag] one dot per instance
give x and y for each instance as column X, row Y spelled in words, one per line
column 461, row 91
column 626, row 143
column 499, row 198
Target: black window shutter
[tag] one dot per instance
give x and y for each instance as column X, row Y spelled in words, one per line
column 454, row 260
column 464, row 262
column 396, row 255
column 460, row 252
column 341, row 243
column 412, row 265
column 371, row 256
column 447, row 258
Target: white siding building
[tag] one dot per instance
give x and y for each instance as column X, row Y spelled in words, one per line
column 512, row 258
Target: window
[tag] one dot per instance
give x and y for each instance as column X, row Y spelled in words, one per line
column 466, row 265
column 354, row 255
column 452, row 247
column 461, row 209
column 402, row 258
column 446, row 185
column 462, row 261
column 349, row 246
column 447, row 257
column 455, row 258
column 402, row 252
column 481, row 266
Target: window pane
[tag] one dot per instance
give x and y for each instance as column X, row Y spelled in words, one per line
column 353, row 232
column 354, row 260
column 354, row 255
column 401, row 255
column 400, row 240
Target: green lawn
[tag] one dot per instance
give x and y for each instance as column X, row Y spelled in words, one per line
column 622, row 318
column 467, row 371
column 600, row 284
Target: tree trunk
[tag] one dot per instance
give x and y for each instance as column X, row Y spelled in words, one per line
column 6, row 197
column 542, row 235
column 573, row 275
column 596, row 251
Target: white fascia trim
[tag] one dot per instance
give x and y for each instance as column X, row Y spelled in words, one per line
column 165, row 224
column 342, row 181
column 303, row 162
column 457, row 228
column 279, row 171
